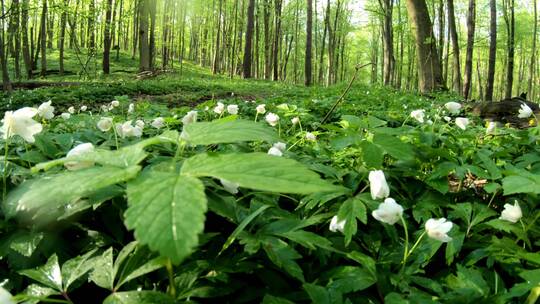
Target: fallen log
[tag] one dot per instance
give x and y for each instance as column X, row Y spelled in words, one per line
column 29, row 85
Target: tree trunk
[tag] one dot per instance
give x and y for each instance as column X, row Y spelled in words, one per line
column 510, row 26
column 325, row 31
column 61, row 41
column 152, row 42
column 144, row 48
column 215, row 64
column 277, row 38
column 455, row 47
column 388, row 41
column 309, row 53
column 470, row 48
column 107, row 38
column 6, row 83
column 492, row 50
column 533, row 52
column 25, row 44
column 429, row 66
column 43, row 39
column 246, row 66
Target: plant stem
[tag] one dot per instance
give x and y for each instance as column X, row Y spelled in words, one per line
column 172, row 288
column 413, row 247
column 406, row 246
column 4, row 174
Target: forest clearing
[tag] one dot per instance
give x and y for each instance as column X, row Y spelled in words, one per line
column 269, row 151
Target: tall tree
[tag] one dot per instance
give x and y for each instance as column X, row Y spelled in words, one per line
column 277, row 38
column 388, row 41
column 246, row 66
column 107, row 38
column 471, row 21
column 455, row 46
column 27, row 57
column 309, row 53
column 144, row 47
column 510, row 28
column 429, row 66
column 61, row 38
column 43, row 38
column 533, row 52
column 215, row 64
column 492, row 50
column 6, row 83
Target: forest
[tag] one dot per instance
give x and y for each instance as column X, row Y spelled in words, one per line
column 269, row 151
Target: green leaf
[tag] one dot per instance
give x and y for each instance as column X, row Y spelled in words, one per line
column 372, row 155
column 269, row 299
column 139, row 297
column 25, row 243
column 60, row 189
column 103, row 273
column 242, row 226
column 350, row 210
column 347, row 279
column 150, row 266
column 48, row 274
column 35, row 293
column 167, row 212
column 521, row 184
column 219, row 131
column 308, row 239
column 394, row 146
column 75, row 268
column 258, row 171
column 281, row 254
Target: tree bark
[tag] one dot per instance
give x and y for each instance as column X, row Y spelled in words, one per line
column 471, row 20
column 6, row 83
column 455, row 47
column 61, row 41
column 510, row 26
column 533, row 52
column 388, row 41
column 215, row 64
column 107, row 38
column 25, row 44
column 492, row 50
column 429, row 66
column 43, row 39
column 246, row 66
column 144, row 48
column 277, row 38
column 308, row 57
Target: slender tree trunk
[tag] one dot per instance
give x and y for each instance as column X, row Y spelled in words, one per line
column 325, row 31
column 43, row 39
column 25, row 44
column 277, row 38
column 455, row 46
column 152, row 43
column 61, row 39
column 215, row 64
column 309, row 53
column 429, row 66
column 107, row 38
column 6, row 83
column 471, row 20
column 510, row 26
column 492, row 50
column 144, row 47
column 388, row 41
column 533, row 52
column 249, row 39
column 267, row 46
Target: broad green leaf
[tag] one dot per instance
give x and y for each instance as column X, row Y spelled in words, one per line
column 139, row 297
column 258, row 171
column 284, row 256
column 317, row 294
column 150, row 266
column 48, row 274
column 489, row 164
column 242, row 226
column 372, row 155
column 166, row 210
column 122, row 256
column 308, row 239
column 521, row 184
column 269, row 299
column 103, row 273
column 25, row 243
column 35, row 293
column 350, row 210
column 60, row 189
column 219, row 131
column 394, row 146
column 75, row 268
column 347, row 279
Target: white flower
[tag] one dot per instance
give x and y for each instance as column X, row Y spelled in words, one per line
column 377, row 184
column 429, row 122
column 220, row 108
column 511, row 213
column 229, row 186
column 21, row 123
column 447, row 118
column 337, row 225
column 280, row 145
column 388, row 212
column 295, row 120
column 462, row 122
column 158, row 122
column 105, row 124
column 232, row 109
column 115, row 103
column 46, row 110
column 438, row 228
column 275, row 151
column 104, row 108
column 128, row 130
column 418, row 115
column 310, row 136
column 131, row 108
column 65, row 115
column 78, row 151
column 6, row 297
column 84, row 108
column 453, row 107
column 491, row 127
column 272, row 119
column 71, row 110
column 261, row 109
column 190, row 117
column 139, row 123
column 525, row 111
